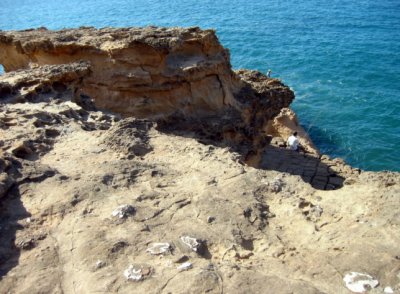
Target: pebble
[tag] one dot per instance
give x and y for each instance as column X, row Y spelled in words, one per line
column 123, row 211
column 359, row 282
column 100, row 264
column 159, row 248
column 192, row 243
column 185, row 266
column 137, row 273
column 133, row 274
column 388, row 290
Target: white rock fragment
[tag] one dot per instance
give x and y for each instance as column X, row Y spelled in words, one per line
column 100, row 264
column 185, row 266
column 210, row 219
column 388, row 290
column 123, row 211
column 159, row 248
column 133, row 274
column 192, row 243
column 138, row 272
column 359, row 283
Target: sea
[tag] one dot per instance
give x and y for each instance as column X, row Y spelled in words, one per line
column 340, row 57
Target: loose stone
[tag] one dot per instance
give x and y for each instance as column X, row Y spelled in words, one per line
column 137, row 273
column 123, row 211
column 159, row 248
column 359, row 283
column 185, row 266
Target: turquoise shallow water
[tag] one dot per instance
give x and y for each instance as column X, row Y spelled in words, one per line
column 340, row 57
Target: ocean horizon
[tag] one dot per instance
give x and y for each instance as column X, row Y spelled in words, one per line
column 341, row 58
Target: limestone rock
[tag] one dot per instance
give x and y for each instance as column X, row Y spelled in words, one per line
column 285, row 224
column 359, row 283
column 137, row 272
column 148, row 72
column 123, row 211
column 193, row 244
column 130, row 136
column 185, row 266
column 159, row 248
column 285, row 123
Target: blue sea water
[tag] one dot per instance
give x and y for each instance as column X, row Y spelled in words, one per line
column 341, row 57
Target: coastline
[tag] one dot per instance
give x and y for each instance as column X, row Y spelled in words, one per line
column 123, row 168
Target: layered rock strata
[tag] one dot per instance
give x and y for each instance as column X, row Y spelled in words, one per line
column 145, row 72
column 94, row 203
column 162, row 201
column 155, row 73
column 180, row 77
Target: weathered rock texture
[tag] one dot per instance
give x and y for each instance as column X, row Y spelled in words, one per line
column 146, row 72
column 65, row 167
column 284, row 124
column 156, row 73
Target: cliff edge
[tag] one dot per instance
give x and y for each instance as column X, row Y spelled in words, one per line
column 136, row 161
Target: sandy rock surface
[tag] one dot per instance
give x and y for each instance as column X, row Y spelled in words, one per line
column 261, row 231
column 94, row 202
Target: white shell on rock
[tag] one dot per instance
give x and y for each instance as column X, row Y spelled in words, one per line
column 133, row 274
column 159, row 248
column 138, row 272
column 123, row 211
column 100, row 264
column 388, row 290
column 193, row 243
column 359, row 283
column 185, row 266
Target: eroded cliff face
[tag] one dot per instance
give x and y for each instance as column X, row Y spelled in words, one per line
column 162, row 201
column 157, row 73
column 92, row 202
column 141, row 72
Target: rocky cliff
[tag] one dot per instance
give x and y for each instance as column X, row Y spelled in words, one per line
column 145, row 72
column 155, row 73
column 136, row 161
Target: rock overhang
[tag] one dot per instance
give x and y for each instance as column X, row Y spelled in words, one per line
column 153, row 72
